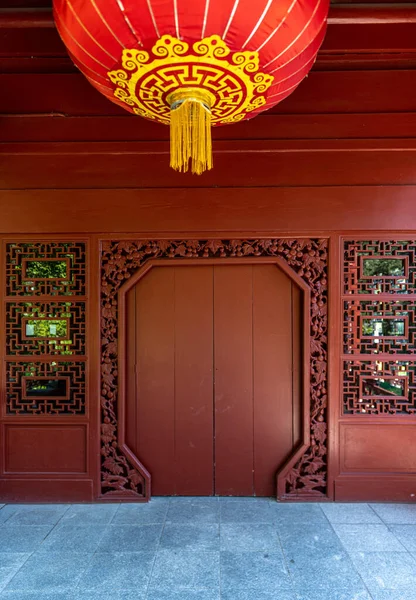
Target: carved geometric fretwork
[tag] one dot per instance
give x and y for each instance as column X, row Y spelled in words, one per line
column 45, row 328
column 121, row 259
column 374, row 326
column 380, row 267
column 45, row 388
column 379, row 387
column 45, row 269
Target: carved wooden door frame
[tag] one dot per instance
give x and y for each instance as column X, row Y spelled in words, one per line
column 305, row 261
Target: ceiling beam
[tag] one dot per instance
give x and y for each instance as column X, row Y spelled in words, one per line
column 357, row 38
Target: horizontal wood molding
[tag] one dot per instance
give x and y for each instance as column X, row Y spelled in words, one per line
column 364, row 32
column 323, row 92
column 223, row 211
column 267, row 126
column 262, row 163
column 368, row 488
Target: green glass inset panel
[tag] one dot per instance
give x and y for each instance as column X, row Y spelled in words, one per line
column 55, row 388
column 383, row 327
column 378, row 386
column 383, row 267
column 46, row 269
column 46, row 328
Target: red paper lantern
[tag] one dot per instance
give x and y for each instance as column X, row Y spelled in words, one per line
column 193, row 63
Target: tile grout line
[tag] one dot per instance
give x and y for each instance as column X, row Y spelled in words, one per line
column 73, row 591
column 219, row 550
column 286, row 562
column 30, row 554
column 146, row 593
column 349, row 555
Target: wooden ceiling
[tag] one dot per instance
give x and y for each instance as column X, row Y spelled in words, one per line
column 351, row 122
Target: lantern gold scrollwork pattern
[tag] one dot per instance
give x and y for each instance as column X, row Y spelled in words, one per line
column 231, row 81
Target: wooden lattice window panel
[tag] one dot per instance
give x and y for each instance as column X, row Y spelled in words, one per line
column 379, row 267
column 46, row 269
column 45, row 328
column 379, row 326
column 379, row 319
column 379, row 387
column 45, row 388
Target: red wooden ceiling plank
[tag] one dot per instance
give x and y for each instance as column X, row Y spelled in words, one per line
column 237, row 164
column 322, row 92
column 364, row 29
column 43, row 128
column 154, row 211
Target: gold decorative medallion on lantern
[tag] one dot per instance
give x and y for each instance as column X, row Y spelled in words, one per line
column 192, row 88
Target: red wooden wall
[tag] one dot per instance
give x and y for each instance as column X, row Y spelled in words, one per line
column 337, row 160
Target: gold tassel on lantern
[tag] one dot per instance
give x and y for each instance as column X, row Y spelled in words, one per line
column 190, row 130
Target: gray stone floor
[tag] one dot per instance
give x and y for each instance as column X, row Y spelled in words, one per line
column 208, row 549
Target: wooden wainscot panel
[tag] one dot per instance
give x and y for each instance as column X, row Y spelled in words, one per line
column 45, row 449
column 46, row 490
column 377, row 448
column 371, row 488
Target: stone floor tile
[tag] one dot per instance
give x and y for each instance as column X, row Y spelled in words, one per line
column 368, row 538
column 118, row 571
column 386, row 570
column 249, row 537
column 193, row 511
column 90, row 513
column 254, row 571
column 7, row 512
column 297, row 512
column 37, row 514
column 36, row 596
column 105, row 595
column 259, row 594
column 406, row 534
column 137, row 514
column 400, row 514
column 198, row 594
column 403, row 594
column 22, row 538
column 246, row 512
column 203, row 536
column 254, row 499
column 193, row 499
column 349, row 513
column 308, row 539
column 323, row 571
column 73, row 538
column 130, row 538
column 59, row 573
column 180, row 570
column 10, row 563
column 334, row 593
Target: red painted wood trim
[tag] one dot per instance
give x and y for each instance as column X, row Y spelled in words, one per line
column 217, row 211
column 42, row 18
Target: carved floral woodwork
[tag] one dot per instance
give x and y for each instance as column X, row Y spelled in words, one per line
column 121, row 259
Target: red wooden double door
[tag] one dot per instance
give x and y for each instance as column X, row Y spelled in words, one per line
column 213, row 376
